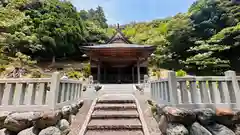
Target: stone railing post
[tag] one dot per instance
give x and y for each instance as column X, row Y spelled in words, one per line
column 90, row 81
column 145, row 81
column 54, row 90
column 172, row 83
column 235, row 92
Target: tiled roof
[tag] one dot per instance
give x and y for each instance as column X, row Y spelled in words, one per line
column 118, row 37
column 120, row 45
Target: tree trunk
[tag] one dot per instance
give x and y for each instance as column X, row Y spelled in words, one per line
column 53, row 60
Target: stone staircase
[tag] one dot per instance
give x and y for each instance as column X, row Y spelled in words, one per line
column 117, row 89
column 114, row 115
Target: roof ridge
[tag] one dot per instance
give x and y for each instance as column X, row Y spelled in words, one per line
column 115, row 37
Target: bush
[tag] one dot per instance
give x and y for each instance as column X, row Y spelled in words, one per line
column 4, row 62
column 22, row 60
column 157, row 73
column 181, row 73
column 86, row 70
column 2, row 68
column 36, row 74
column 74, row 74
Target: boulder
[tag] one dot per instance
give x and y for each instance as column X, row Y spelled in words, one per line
column 74, row 109
column 29, row 131
column 154, row 111
column 97, row 87
column 64, row 126
column 225, row 116
column 48, row 119
column 66, row 111
column 218, row 129
column 159, row 109
column 197, row 129
column 80, row 104
column 175, row 115
column 157, row 117
column 50, row 131
column 236, row 129
column 224, row 111
column 163, row 124
column 66, row 132
column 17, row 122
column 205, row 116
column 3, row 116
column 236, row 118
column 176, row 129
column 70, row 118
column 6, row 132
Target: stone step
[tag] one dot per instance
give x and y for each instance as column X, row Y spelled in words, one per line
column 116, row 96
column 115, row 106
column 102, row 114
column 114, row 124
column 114, row 114
column 114, row 132
column 115, row 101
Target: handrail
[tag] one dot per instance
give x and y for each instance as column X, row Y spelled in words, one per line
column 38, row 94
column 197, row 91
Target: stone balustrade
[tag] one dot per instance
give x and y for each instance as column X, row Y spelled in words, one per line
column 38, row 94
column 53, row 122
column 197, row 91
column 203, row 121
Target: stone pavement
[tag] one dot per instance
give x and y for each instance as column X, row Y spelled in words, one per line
column 115, row 114
column 109, row 107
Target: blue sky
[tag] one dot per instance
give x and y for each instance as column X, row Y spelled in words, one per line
column 126, row 11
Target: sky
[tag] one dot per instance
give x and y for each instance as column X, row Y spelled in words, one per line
column 126, row 11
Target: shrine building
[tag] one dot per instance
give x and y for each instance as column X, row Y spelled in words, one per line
column 118, row 60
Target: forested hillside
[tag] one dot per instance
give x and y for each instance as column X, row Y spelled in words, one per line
column 48, row 28
column 203, row 41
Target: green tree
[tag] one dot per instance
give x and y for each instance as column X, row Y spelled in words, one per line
column 49, row 29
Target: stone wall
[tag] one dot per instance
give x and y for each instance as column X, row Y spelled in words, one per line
column 39, row 123
column 177, row 121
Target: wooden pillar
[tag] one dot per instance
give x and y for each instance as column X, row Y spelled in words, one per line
column 104, row 74
column 99, row 72
column 133, row 74
column 118, row 74
column 138, row 72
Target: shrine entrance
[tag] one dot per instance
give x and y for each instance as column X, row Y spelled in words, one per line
column 118, row 75
column 118, row 61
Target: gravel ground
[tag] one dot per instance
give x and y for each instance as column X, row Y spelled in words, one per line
column 150, row 121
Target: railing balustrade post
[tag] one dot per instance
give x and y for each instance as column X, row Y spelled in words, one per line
column 172, row 83
column 235, row 86
column 54, row 90
column 90, row 81
column 146, row 81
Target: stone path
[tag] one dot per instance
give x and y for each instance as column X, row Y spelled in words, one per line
column 115, row 114
column 79, row 119
column 152, row 124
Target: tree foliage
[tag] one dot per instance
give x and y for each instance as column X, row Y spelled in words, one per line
column 203, row 41
column 48, row 29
